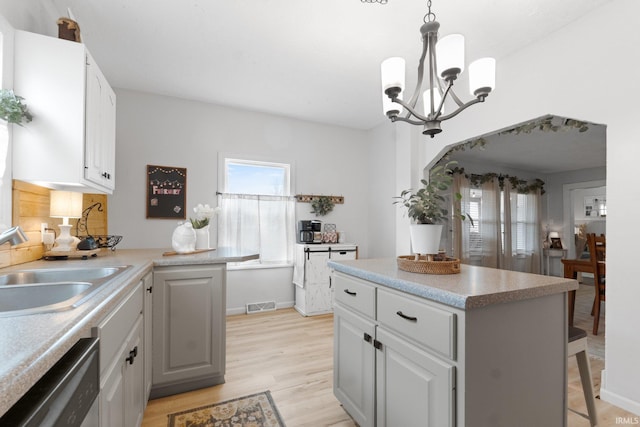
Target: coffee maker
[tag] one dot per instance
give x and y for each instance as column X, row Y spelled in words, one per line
column 309, row 231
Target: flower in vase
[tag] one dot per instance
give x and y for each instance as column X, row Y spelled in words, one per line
column 204, row 213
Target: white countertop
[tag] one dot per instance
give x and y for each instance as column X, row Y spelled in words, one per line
column 31, row 344
column 473, row 287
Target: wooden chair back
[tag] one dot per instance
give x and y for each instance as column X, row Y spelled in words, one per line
column 597, row 253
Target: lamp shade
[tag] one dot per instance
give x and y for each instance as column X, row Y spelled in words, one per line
column 65, row 204
column 554, row 235
column 450, row 56
column 392, row 73
column 482, row 76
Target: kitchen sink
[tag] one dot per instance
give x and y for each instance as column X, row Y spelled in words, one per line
column 51, row 275
column 51, row 289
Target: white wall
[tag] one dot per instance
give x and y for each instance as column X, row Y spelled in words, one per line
column 160, row 130
column 557, row 75
column 381, row 192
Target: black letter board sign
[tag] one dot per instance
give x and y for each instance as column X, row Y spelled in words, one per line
column 166, row 192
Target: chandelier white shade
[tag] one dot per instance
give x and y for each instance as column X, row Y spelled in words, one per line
column 392, row 71
column 445, row 62
column 482, row 76
column 450, row 55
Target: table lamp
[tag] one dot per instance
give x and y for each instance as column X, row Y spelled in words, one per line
column 65, row 205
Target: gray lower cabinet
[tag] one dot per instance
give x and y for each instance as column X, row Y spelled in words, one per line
column 122, row 354
column 382, row 379
column 189, row 305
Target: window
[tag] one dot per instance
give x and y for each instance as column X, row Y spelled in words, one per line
column 259, row 178
column 473, row 210
column 258, row 210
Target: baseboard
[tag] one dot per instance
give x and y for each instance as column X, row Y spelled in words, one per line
column 617, row 400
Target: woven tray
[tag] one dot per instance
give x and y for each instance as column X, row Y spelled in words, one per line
column 409, row 263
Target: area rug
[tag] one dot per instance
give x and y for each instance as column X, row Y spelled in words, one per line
column 255, row 410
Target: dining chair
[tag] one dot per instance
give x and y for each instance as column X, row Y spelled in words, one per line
column 597, row 252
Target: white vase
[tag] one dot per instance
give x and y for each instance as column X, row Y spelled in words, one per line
column 202, row 238
column 425, row 238
column 183, row 239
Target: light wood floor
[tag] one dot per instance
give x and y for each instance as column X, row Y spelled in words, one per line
column 292, row 356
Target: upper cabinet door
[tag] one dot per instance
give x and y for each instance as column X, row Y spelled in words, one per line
column 70, row 144
column 100, row 111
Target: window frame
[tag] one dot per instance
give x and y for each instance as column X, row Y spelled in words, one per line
column 225, row 158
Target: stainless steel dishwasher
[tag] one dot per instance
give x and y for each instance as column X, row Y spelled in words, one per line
column 66, row 396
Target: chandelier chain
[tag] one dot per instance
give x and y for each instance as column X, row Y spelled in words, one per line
column 374, row 1
column 430, row 16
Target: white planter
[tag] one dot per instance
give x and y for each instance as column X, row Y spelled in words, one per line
column 425, row 238
column 202, row 238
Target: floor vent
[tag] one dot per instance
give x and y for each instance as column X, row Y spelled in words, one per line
column 259, row 307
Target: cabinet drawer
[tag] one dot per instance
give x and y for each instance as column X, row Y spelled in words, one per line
column 424, row 323
column 113, row 330
column 355, row 294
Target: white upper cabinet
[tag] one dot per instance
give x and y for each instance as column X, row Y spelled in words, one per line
column 70, row 144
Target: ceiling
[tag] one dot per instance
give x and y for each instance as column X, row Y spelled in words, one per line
column 311, row 60
column 566, row 145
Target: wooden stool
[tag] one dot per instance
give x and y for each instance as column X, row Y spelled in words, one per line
column 578, row 346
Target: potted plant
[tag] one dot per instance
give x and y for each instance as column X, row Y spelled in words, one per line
column 428, row 210
column 12, row 109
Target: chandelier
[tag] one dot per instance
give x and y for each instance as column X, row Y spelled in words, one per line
column 445, row 63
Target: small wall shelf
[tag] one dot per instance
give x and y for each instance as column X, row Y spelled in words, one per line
column 308, row 198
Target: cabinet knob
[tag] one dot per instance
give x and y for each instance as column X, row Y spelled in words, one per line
column 106, row 175
column 132, row 355
column 367, row 337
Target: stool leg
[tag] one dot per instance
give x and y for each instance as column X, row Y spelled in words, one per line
column 587, row 386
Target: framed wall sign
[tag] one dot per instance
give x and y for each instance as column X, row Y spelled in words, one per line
column 166, row 192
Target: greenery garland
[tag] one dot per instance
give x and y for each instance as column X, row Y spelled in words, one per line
column 520, row 185
column 544, row 124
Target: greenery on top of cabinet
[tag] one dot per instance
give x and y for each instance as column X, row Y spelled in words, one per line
column 12, row 108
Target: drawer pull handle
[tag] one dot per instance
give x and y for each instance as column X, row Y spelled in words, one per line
column 409, row 318
column 348, row 292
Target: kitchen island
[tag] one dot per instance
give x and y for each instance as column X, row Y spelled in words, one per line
column 31, row 344
column 485, row 347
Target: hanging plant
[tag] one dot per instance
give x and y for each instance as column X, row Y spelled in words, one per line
column 12, row 109
column 322, row 205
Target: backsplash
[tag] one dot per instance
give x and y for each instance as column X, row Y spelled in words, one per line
column 31, row 208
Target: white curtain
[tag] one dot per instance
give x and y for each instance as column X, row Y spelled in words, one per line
column 525, row 232
column 506, row 231
column 255, row 223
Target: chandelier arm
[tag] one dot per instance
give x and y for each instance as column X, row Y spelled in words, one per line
column 432, row 64
column 455, row 98
column 404, row 119
column 416, row 94
column 410, row 111
column 462, row 108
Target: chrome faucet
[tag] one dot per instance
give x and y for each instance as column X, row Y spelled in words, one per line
column 14, row 236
